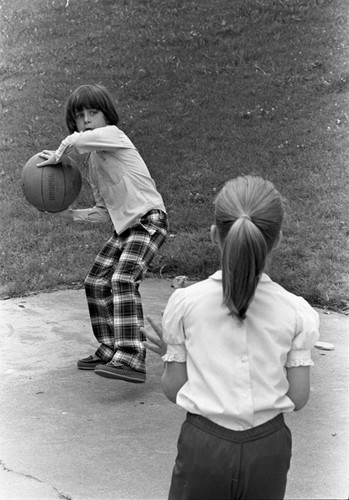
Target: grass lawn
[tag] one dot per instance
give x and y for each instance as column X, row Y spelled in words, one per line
column 206, row 91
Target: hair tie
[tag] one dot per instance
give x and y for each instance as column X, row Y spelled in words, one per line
column 245, row 216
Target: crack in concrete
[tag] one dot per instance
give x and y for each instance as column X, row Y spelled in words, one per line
column 62, row 496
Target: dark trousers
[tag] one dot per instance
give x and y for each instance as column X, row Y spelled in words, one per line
column 215, row 463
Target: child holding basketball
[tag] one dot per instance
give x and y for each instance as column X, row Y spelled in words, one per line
column 126, row 194
column 238, row 357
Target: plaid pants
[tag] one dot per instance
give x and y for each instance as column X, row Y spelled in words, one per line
column 112, row 292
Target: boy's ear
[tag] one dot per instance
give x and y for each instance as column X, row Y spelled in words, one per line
column 214, row 235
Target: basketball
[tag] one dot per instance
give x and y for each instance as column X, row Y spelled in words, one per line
column 52, row 188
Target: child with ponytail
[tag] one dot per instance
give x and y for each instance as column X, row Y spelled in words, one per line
column 237, row 353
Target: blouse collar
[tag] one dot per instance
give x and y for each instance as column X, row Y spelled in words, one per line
column 217, row 276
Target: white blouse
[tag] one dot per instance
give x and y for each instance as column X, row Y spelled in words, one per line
column 237, row 370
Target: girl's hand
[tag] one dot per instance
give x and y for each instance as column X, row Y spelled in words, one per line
column 49, row 157
column 155, row 340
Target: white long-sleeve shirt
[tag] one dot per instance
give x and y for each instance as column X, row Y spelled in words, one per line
column 120, row 180
column 237, row 370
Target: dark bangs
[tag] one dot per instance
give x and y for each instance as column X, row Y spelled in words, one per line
column 90, row 97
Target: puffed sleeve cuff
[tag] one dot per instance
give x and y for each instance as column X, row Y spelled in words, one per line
column 299, row 358
column 307, row 333
column 176, row 353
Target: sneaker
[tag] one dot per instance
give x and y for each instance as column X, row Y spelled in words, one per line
column 89, row 363
column 120, row 372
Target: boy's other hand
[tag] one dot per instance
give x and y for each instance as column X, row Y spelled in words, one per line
column 36, row 212
column 65, row 215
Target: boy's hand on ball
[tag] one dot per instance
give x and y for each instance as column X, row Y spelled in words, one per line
column 155, row 341
column 49, row 158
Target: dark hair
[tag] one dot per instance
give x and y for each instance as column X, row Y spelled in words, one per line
column 90, row 96
column 248, row 216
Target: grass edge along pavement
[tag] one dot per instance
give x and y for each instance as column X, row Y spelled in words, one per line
column 206, row 92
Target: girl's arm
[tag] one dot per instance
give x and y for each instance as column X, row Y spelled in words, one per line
column 175, row 373
column 299, row 385
column 154, row 341
column 173, row 379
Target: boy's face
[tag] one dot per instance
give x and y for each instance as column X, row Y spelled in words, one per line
column 89, row 119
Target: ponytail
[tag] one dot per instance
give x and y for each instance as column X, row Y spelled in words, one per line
column 248, row 216
column 243, row 260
